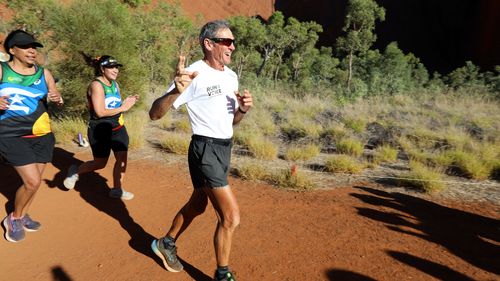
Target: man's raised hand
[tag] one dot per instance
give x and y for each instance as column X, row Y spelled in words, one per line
column 183, row 78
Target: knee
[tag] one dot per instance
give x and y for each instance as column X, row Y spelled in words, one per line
column 32, row 184
column 231, row 220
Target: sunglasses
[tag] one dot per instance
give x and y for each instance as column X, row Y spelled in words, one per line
column 224, row 41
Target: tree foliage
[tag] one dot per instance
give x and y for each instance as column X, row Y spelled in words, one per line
column 280, row 52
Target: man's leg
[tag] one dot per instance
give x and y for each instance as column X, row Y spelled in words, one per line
column 165, row 247
column 228, row 214
column 193, row 208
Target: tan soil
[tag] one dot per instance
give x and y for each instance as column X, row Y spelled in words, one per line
column 358, row 232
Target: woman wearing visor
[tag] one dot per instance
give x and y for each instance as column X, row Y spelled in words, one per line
column 26, row 139
column 106, row 130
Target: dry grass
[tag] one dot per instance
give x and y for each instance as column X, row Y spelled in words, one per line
column 135, row 123
column 302, row 153
column 66, row 130
column 350, row 147
column 424, row 178
column 177, row 143
column 343, row 164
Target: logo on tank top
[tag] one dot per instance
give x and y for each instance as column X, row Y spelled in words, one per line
column 214, row 91
column 37, row 82
column 14, row 79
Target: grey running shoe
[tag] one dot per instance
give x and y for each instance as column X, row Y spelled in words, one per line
column 168, row 254
column 29, row 224
column 72, row 177
column 14, row 230
column 227, row 277
column 121, row 194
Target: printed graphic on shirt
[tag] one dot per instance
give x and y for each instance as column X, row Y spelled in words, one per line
column 26, row 114
column 214, row 91
column 23, row 100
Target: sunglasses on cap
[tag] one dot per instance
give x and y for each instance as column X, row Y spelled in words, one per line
column 224, row 41
column 110, row 63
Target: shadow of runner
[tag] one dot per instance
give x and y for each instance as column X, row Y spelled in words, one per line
column 195, row 273
column 340, row 275
column 58, row 274
column 10, row 182
column 473, row 238
column 438, row 271
column 94, row 189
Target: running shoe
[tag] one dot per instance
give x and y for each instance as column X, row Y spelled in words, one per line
column 168, row 254
column 14, row 230
column 228, row 276
column 29, row 224
column 120, row 193
column 72, row 177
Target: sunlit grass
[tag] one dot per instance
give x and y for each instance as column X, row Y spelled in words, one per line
column 385, row 153
column 350, row 147
column 177, row 143
column 135, row 122
column 66, row 129
column 424, row 178
column 291, row 178
column 305, row 152
column 343, row 164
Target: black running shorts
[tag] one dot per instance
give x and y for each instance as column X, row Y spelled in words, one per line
column 103, row 138
column 209, row 160
column 23, row 151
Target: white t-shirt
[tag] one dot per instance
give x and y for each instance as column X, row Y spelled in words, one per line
column 210, row 100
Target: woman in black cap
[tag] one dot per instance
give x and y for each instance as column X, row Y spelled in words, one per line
column 26, row 139
column 106, row 130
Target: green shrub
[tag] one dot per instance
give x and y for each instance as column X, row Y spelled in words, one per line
column 385, row 153
column 262, row 148
column 423, row 178
column 306, row 152
column 177, row 143
column 66, row 129
column 182, row 125
column 357, row 125
column 343, row 164
column 291, row 179
column 252, row 171
column 135, row 122
column 350, row 147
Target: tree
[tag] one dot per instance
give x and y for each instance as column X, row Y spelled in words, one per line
column 359, row 28
column 250, row 34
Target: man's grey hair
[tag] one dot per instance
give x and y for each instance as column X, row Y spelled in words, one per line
column 210, row 29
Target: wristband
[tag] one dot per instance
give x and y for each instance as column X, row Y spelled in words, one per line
column 240, row 110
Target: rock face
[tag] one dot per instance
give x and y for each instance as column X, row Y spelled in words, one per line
column 217, row 9
column 443, row 34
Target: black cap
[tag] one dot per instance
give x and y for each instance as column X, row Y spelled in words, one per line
column 108, row 61
column 20, row 38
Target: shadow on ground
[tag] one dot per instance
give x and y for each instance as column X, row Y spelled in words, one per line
column 473, row 238
column 339, row 275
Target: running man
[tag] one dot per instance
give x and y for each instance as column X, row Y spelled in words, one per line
column 210, row 91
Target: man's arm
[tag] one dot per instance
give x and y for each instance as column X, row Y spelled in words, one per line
column 162, row 104
column 182, row 80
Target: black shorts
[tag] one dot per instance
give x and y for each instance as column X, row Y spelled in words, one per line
column 23, row 151
column 103, row 138
column 209, row 160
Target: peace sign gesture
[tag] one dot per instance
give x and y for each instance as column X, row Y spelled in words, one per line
column 182, row 77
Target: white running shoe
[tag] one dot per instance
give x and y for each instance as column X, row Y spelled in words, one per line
column 120, row 193
column 72, row 177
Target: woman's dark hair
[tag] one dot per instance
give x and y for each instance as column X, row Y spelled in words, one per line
column 95, row 62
